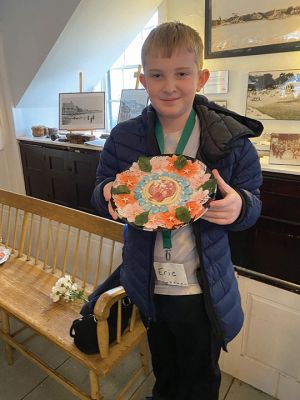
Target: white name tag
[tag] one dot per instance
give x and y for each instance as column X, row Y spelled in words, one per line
column 170, row 273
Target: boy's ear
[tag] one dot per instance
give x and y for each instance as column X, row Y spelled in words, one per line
column 202, row 79
column 143, row 80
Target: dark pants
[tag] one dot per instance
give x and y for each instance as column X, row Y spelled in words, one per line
column 184, row 353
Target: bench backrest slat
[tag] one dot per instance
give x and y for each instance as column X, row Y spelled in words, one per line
column 1, row 218
column 96, row 279
column 75, row 255
column 8, row 226
column 29, row 245
column 15, row 231
column 66, row 251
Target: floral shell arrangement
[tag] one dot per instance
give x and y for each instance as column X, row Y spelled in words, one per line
column 163, row 192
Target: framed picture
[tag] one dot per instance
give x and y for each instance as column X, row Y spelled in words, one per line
column 285, row 149
column 274, row 95
column 217, row 83
column 132, row 103
column 82, row 111
column 241, row 28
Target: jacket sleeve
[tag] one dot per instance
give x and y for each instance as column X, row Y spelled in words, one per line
column 107, row 170
column 246, row 180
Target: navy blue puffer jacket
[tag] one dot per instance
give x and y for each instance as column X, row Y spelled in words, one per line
column 224, row 145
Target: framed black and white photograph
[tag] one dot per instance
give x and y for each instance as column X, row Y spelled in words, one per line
column 285, row 149
column 217, row 83
column 82, row 111
column 242, row 27
column 274, row 95
column 132, row 103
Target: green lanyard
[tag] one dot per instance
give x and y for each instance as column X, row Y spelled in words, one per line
column 186, row 133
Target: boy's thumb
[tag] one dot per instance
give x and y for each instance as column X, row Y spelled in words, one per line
column 107, row 191
column 222, row 185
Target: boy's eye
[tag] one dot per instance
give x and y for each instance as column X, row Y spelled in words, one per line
column 156, row 75
column 182, row 74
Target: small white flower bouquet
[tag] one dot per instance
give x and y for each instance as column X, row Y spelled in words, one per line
column 67, row 290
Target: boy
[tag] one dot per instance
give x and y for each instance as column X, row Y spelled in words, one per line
column 187, row 326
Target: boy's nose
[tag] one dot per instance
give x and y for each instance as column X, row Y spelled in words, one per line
column 169, row 85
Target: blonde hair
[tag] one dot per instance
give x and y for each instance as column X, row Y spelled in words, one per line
column 169, row 37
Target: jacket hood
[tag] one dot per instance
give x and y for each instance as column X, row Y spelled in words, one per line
column 219, row 126
column 255, row 127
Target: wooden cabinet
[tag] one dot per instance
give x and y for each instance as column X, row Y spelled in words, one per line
column 63, row 175
column 272, row 246
column 266, row 352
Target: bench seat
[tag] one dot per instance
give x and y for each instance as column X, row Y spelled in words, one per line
column 27, row 277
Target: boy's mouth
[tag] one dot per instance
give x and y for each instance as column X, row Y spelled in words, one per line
column 170, row 100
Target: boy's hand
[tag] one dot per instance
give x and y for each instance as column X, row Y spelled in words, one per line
column 107, row 196
column 226, row 210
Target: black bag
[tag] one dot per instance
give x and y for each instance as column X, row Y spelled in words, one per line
column 84, row 330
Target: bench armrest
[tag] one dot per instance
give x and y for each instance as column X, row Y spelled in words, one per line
column 102, row 310
column 106, row 300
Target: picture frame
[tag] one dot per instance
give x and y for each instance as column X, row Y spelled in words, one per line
column 241, row 28
column 82, row 111
column 274, row 95
column 132, row 103
column 285, row 149
column 217, row 83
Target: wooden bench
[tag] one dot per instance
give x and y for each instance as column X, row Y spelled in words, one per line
column 46, row 242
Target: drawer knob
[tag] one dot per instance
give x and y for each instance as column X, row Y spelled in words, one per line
column 293, row 236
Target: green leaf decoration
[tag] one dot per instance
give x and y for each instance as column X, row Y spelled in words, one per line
column 210, row 185
column 121, row 189
column 180, row 162
column 144, row 164
column 183, row 214
column 141, row 219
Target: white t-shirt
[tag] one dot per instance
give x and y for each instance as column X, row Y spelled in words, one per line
column 183, row 241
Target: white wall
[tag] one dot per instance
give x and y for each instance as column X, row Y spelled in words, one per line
column 192, row 12
column 11, row 176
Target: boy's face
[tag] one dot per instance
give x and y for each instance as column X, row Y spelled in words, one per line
column 172, row 83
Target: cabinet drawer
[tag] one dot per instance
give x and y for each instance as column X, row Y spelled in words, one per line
column 270, row 247
column 281, row 207
column 280, row 196
column 277, row 250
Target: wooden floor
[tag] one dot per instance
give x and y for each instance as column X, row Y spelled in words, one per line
column 24, row 381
